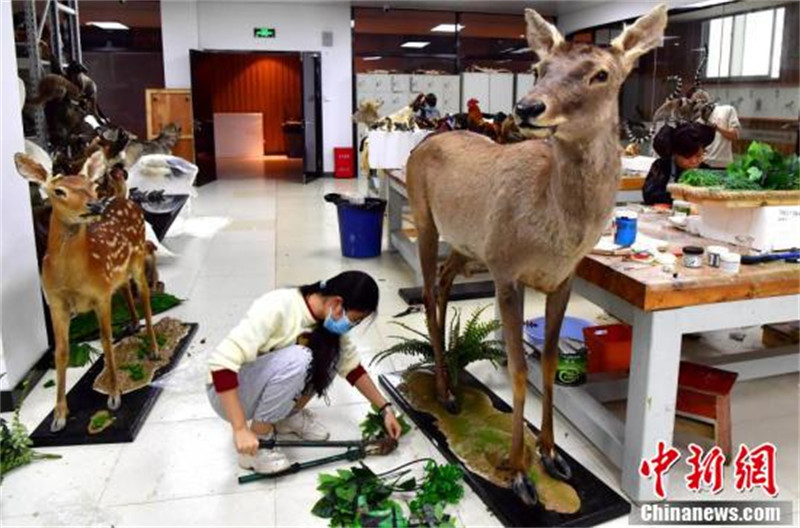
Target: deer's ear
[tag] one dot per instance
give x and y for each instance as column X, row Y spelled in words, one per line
column 95, row 166
column 30, row 169
column 644, row 35
column 543, row 37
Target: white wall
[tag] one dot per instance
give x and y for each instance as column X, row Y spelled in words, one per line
column 216, row 25
column 22, row 327
column 178, row 35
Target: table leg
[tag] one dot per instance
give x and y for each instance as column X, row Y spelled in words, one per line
column 394, row 210
column 652, row 393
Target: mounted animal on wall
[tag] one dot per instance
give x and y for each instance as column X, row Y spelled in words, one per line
column 529, row 211
column 94, row 248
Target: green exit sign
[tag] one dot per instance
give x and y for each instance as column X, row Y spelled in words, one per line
column 263, row 32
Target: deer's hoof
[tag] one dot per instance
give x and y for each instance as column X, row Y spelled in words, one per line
column 59, row 423
column 556, row 466
column 114, row 401
column 525, row 490
column 451, row 405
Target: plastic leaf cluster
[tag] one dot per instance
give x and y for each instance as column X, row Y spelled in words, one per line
column 760, row 168
column 465, row 344
column 15, row 446
column 373, row 427
column 359, row 497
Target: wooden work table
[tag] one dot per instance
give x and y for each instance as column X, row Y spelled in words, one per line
column 648, row 287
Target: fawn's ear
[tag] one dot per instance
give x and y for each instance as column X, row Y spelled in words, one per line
column 543, row 37
column 30, row 169
column 645, row 34
column 95, row 166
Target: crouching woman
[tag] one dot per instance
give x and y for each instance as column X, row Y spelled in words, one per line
column 285, row 351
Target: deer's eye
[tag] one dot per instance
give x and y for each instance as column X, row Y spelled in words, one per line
column 61, row 193
column 599, row 77
column 536, row 75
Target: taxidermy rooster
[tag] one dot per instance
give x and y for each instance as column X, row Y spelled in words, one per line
column 476, row 123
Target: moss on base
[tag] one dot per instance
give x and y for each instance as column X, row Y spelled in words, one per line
column 480, row 436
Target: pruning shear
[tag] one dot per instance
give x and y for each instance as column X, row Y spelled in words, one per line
column 355, row 450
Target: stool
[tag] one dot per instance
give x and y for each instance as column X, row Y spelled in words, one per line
column 706, row 392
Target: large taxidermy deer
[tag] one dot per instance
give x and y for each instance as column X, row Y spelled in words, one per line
column 94, row 248
column 529, row 211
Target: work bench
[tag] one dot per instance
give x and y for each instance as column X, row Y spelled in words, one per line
column 662, row 308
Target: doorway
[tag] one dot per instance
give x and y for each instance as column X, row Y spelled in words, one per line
column 259, row 110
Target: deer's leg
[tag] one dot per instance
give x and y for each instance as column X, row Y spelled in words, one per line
column 60, row 315
column 144, row 293
column 511, row 316
column 133, row 326
column 428, row 246
column 452, row 267
column 103, row 312
column 557, row 301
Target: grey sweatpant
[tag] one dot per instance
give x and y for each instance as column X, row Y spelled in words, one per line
column 269, row 386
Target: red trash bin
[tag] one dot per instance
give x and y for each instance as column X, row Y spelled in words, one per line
column 343, row 162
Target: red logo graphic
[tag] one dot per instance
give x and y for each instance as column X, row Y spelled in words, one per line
column 756, row 468
column 659, row 465
column 706, row 470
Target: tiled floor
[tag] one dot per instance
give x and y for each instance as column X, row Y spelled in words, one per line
column 245, row 235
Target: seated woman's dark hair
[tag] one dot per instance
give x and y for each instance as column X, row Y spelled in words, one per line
column 325, row 347
column 359, row 292
column 357, row 289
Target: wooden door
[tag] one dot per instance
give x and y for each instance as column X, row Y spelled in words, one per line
column 166, row 106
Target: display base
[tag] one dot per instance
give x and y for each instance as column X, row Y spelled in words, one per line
column 160, row 220
column 84, row 401
column 463, row 291
column 599, row 503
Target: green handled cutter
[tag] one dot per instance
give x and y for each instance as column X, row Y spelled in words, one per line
column 355, row 450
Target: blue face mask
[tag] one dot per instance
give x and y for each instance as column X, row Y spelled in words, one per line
column 338, row 326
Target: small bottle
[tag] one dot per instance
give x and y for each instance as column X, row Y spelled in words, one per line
column 714, row 255
column 730, row 262
column 693, row 257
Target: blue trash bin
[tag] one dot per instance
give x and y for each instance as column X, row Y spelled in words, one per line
column 360, row 226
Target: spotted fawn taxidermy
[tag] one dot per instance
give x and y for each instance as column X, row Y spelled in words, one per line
column 529, row 211
column 94, row 248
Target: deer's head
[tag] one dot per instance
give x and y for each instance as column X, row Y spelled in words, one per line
column 72, row 197
column 577, row 85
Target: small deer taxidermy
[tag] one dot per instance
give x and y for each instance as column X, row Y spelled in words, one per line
column 528, row 211
column 94, row 248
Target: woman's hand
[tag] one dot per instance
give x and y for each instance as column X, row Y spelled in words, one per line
column 391, row 424
column 245, row 441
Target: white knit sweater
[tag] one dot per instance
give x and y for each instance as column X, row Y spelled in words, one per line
column 274, row 321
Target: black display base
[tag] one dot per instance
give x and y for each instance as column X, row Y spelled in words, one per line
column 161, row 220
column 599, row 503
column 84, row 401
column 463, row 291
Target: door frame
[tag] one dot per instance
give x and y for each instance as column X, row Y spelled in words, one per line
column 298, row 54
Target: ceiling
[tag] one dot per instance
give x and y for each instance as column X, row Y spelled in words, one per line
column 544, row 7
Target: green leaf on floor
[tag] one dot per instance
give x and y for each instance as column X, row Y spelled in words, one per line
column 81, row 354
column 48, row 384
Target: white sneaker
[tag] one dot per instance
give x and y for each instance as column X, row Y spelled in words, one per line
column 304, row 425
column 266, row 461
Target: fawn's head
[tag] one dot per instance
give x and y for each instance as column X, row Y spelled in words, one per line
column 576, row 85
column 72, row 197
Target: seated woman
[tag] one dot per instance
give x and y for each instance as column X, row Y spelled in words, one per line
column 679, row 148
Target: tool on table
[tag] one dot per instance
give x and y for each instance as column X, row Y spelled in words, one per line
column 355, row 450
column 417, row 308
column 788, row 256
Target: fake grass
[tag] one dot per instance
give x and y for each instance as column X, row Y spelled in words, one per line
column 84, row 326
column 480, row 436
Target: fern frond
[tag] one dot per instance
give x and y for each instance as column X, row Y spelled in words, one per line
column 404, row 326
